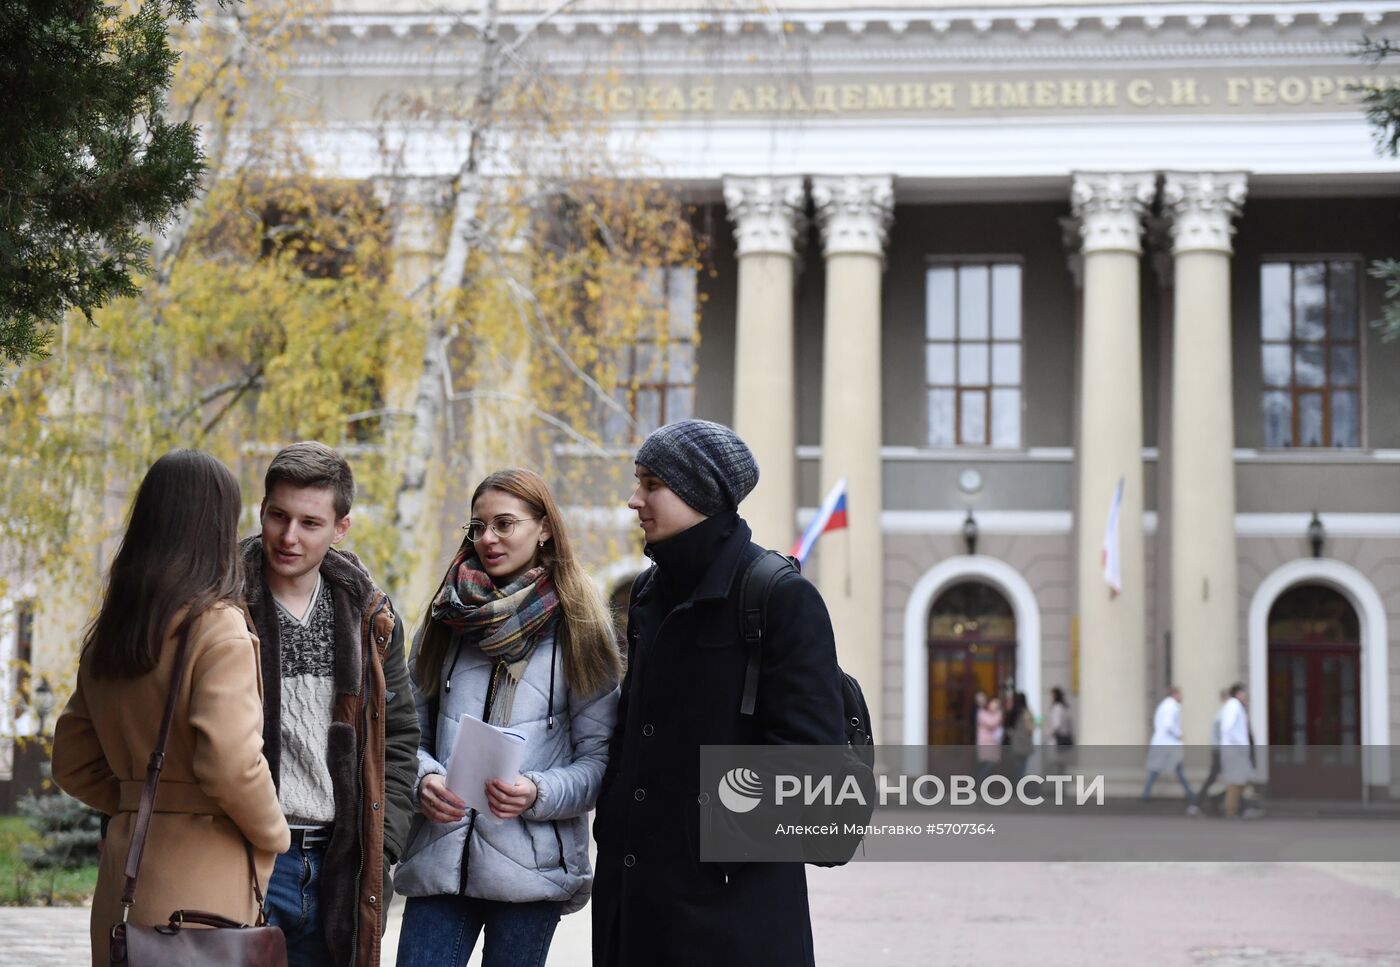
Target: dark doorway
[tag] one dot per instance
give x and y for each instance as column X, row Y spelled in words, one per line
column 1314, row 695
column 972, row 648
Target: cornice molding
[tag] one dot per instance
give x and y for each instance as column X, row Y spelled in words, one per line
column 856, row 21
column 741, row 61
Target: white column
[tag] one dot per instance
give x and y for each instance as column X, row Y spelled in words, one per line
column 1204, row 580
column 1112, row 626
column 767, row 215
column 854, row 215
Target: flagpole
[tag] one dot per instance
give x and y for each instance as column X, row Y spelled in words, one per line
column 847, row 535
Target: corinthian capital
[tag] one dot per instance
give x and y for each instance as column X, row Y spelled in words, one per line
column 1110, row 207
column 854, row 213
column 1202, row 205
column 766, row 212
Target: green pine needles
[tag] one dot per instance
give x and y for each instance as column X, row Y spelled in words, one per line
column 89, row 164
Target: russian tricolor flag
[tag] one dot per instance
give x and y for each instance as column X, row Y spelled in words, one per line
column 831, row 516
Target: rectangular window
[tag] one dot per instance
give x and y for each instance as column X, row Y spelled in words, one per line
column 972, row 362
column 656, row 375
column 1311, row 352
column 24, row 650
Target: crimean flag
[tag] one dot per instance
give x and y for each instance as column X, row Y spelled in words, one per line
column 1112, row 559
column 831, row 517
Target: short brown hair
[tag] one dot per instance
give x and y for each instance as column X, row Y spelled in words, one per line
column 312, row 464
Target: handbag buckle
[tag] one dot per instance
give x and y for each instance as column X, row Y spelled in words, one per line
column 126, row 911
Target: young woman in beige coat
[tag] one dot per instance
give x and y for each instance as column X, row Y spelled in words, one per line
column 178, row 567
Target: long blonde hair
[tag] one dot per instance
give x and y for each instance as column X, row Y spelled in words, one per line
column 592, row 664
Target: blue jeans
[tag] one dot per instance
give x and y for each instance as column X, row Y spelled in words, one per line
column 441, row 931
column 1180, row 777
column 293, row 906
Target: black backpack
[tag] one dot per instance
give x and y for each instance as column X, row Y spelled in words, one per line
column 759, row 579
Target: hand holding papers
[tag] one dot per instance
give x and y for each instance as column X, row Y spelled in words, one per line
column 480, row 753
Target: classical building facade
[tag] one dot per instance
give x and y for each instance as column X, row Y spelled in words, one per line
column 993, row 264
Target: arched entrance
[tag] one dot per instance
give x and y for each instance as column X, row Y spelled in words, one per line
column 949, row 572
column 1373, row 709
column 971, row 648
column 1314, row 694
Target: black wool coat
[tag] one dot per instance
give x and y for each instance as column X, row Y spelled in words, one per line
column 654, row 903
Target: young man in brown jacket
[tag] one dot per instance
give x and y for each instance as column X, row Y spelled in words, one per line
column 339, row 726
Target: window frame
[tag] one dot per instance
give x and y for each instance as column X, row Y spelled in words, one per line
column 25, row 613
column 988, row 261
column 1294, row 391
column 633, row 387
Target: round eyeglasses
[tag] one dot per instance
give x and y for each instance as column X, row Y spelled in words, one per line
column 501, row 527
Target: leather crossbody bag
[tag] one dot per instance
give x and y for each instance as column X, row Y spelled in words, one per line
column 228, row 944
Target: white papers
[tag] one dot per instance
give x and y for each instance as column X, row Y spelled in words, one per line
column 482, row 752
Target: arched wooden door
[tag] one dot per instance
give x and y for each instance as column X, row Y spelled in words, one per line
column 1314, row 695
column 972, row 648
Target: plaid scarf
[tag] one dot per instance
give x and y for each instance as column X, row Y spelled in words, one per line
column 503, row 622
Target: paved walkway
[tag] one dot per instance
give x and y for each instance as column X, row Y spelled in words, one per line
column 994, row 914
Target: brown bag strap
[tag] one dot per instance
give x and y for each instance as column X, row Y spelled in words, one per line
column 148, row 793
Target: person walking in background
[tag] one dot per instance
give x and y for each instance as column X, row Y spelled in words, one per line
column 1022, row 734
column 1167, row 753
column 1060, row 720
column 1203, row 794
column 176, row 577
column 519, row 636
column 1236, row 749
column 990, row 728
column 341, row 732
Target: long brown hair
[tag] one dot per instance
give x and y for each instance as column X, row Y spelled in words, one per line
column 180, row 551
column 592, row 664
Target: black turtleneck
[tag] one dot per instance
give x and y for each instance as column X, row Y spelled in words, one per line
column 681, row 561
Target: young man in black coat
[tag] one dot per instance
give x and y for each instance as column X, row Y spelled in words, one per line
column 654, row 902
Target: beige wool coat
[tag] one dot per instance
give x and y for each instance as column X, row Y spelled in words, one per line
column 215, row 788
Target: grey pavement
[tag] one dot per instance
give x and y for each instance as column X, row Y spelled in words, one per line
column 993, row 914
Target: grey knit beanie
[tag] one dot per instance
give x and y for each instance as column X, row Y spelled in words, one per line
column 705, row 463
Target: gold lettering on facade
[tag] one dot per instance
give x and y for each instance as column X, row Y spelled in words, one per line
column 880, row 97
column 1074, row 94
column 1184, row 93
column 1149, row 91
column 1103, row 94
column 1140, row 92
column 1293, row 90
column 941, row 96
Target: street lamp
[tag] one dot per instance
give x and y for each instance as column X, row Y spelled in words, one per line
column 1317, row 534
column 969, row 532
column 43, row 703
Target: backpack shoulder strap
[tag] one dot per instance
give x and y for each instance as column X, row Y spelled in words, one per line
column 759, row 578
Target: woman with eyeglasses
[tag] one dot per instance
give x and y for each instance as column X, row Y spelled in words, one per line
column 518, row 636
